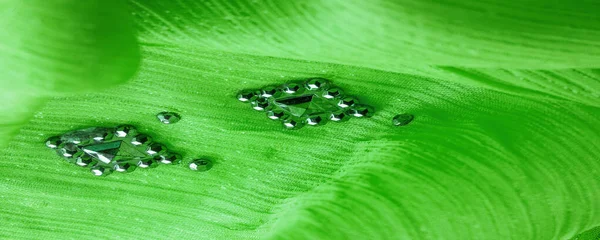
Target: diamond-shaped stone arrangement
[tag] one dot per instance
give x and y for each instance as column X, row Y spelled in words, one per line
column 104, row 150
column 313, row 102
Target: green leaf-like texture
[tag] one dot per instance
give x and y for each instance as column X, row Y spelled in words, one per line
column 504, row 145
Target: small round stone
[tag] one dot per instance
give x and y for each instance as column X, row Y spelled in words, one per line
column 293, row 123
column 85, row 160
column 53, row 142
column 147, row 163
column 124, row 131
column 276, row 114
column 360, row 110
column 69, row 150
column 141, row 139
column 402, row 119
column 316, row 83
column 169, row 158
column 101, row 171
column 156, row 148
column 332, row 93
column 260, row 104
column 125, row 167
column 168, row 117
column 201, row 165
column 291, row 88
column 315, row 120
column 247, row 96
column 268, row 92
column 339, row 116
column 347, row 102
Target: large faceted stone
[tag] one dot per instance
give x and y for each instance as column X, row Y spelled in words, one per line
column 107, row 152
column 304, row 105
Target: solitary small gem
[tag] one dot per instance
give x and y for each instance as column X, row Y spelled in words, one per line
column 168, row 117
column 201, row 165
column 402, row 119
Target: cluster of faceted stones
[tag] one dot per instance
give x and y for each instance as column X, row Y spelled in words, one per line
column 313, row 102
column 105, row 150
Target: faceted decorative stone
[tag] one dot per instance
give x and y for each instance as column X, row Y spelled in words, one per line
column 269, row 92
column 169, row 158
column 260, row 104
column 276, row 114
column 85, row 160
column 201, row 165
column 156, row 148
column 247, row 96
column 147, row 163
column 361, row 111
column 125, row 167
column 101, row 171
column 339, row 116
column 316, row 83
column 291, row 88
column 293, row 123
column 120, row 149
column 125, row 130
column 53, row 142
column 312, row 102
column 69, row 150
column 168, row 117
column 315, row 120
column 88, row 135
column 332, row 93
column 141, row 139
column 402, row 119
column 347, row 102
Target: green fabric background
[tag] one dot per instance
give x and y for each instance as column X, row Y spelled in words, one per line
column 505, row 143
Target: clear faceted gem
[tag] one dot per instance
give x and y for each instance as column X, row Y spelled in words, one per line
column 361, row 111
column 402, row 119
column 315, row 120
column 125, row 167
column 201, row 165
column 156, row 148
column 316, row 83
column 276, row 114
column 304, row 105
column 339, row 116
column 69, row 150
column 269, row 92
column 125, row 130
column 332, row 93
column 53, row 142
column 260, row 104
column 88, row 135
column 291, row 88
column 169, row 158
column 168, row 117
column 347, row 102
column 147, row 163
column 293, row 123
column 115, row 150
column 100, row 170
column 141, row 139
column 85, row 160
column 247, row 95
